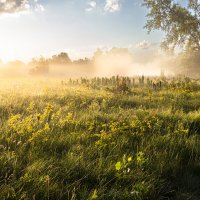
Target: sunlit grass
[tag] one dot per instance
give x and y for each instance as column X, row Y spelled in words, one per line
column 80, row 141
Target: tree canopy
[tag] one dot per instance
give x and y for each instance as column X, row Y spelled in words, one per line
column 181, row 23
column 61, row 58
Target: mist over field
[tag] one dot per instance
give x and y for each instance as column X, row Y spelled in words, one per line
column 117, row 61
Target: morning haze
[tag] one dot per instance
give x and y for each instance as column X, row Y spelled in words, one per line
column 99, row 99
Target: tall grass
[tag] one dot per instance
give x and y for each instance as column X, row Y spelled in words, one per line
column 79, row 142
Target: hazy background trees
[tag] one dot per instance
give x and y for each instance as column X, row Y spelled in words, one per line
column 41, row 66
column 61, row 59
column 60, row 65
column 182, row 27
column 116, row 61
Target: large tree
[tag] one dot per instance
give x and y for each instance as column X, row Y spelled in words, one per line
column 180, row 22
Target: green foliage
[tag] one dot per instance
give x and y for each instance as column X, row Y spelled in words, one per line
column 84, row 143
column 180, row 23
column 94, row 195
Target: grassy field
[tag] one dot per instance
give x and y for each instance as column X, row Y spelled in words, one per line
column 99, row 139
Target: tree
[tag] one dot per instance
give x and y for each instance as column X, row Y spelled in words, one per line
column 189, row 62
column 41, row 66
column 181, row 24
column 61, row 58
column 85, row 61
column 97, row 54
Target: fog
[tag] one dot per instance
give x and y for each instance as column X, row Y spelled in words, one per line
column 116, row 61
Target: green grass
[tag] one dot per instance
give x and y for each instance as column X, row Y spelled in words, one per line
column 74, row 142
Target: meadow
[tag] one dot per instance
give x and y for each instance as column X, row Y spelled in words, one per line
column 102, row 138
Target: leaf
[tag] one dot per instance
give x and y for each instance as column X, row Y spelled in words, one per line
column 95, row 196
column 118, row 166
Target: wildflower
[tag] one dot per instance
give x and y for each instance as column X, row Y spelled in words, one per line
column 129, row 159
column 118, row 166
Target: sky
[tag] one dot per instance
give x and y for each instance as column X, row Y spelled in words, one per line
column 34, row 28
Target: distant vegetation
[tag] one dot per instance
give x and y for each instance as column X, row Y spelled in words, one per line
column 101, row 138
column 104, row 63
